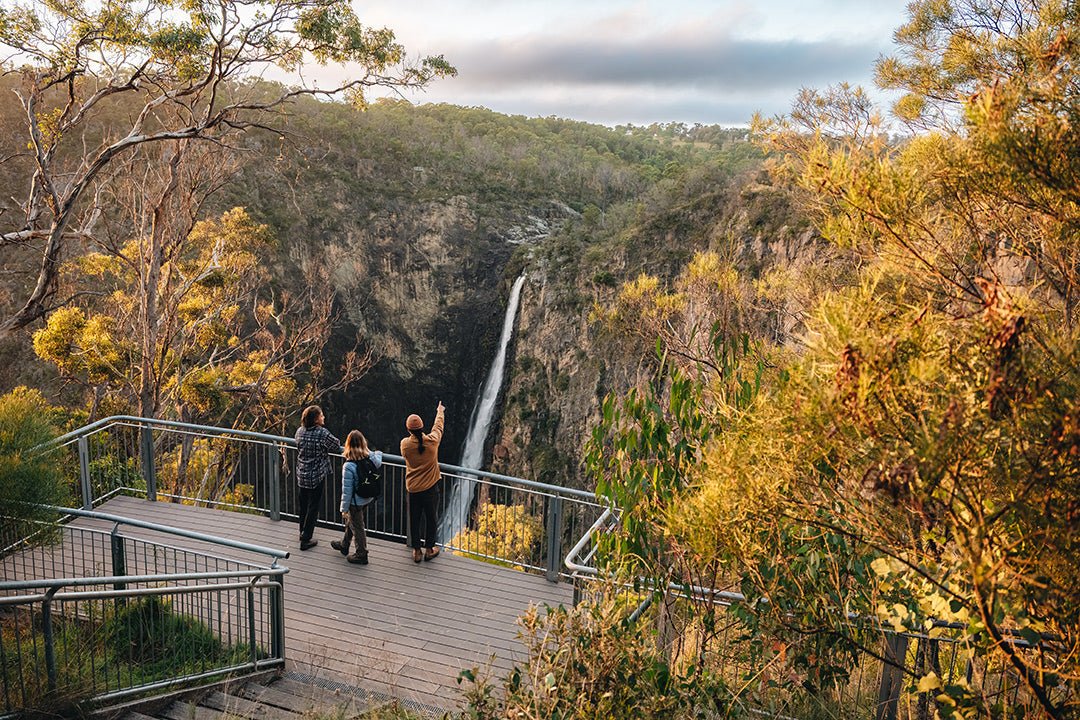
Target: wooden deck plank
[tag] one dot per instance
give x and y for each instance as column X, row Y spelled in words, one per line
column 257, row 530
column 187, row 711
column 235, row 705
column 308, row 702
column 317, row 699
column 395, row 627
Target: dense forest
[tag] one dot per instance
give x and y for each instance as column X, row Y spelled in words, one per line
column 825, row 368
column 410, row 221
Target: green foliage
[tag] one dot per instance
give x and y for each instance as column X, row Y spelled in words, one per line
column 30, row 474
column 509, row 532
column 592, row 662
column 161, row 643
column 917, row 462
column 110, row 471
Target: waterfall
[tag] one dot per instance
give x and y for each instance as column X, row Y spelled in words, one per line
column 456, row 514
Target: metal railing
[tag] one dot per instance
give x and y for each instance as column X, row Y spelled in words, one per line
column 882, row 683
column 92, row 613
column 514, row 521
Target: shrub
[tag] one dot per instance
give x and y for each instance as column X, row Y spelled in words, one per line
column 593, row 661
column 29, row 475
column 508, row 532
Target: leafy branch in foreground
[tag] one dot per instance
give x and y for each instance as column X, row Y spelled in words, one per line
column 195, row 69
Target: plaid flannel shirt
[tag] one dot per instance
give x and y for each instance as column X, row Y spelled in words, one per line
column 313, row 446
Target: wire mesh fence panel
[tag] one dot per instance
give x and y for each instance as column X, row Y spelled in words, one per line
column 98, row 641
column 90, row 612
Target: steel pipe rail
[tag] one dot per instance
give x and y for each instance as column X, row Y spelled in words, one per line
column 239, row 604
column 134, row 421
column 149, row 458
column 134, row 592
column 114, row 579
column 190, row 534
column 576, row 565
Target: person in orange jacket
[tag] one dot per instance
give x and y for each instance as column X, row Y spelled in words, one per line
column 421, row 453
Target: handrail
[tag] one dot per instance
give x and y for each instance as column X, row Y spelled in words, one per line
column 190, row 534
column 134, row 579
column 291, row 442
column 571, row 560
column 134, row 592
column 727, row 597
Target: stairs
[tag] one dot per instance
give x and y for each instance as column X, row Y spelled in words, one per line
column 282, row 697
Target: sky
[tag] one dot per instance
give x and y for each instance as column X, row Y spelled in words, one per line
column 616, row 62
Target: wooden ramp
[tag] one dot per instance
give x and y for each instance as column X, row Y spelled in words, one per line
column 393, row 626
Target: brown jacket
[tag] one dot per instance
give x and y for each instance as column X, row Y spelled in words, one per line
column 422, row 468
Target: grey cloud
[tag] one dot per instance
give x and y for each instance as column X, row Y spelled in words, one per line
column 637, row 109
column 717, row 63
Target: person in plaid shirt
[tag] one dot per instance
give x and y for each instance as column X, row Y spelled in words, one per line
column 314, row 443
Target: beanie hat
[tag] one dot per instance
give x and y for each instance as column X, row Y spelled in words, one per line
column 414, row 423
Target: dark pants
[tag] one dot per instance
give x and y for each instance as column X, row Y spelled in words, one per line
column 355, row 530
column 310, row 499
column 424, row 516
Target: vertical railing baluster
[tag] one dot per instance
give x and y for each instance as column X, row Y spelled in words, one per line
column 554, row 536
column 84, row 473
column 252, row 639
column 148, row 472
column 48, row 638
column 275, row 482
column 119, row 561
column 892, row 676
column 277, row 619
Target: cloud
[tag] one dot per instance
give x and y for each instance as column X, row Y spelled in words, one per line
column 715, row 63
column 642, row 61
column 622, row 105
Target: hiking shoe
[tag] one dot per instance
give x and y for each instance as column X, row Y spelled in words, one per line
column 308, row 544
column 337, row 545
column 431, row 553
column 417, row 556
column 357, row 559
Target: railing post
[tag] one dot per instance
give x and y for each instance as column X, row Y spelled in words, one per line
column 119, row 556
column 892, row 677
column 48, row 638
column 252, row 636
column 275, row 482
column 554, row 537
column 84, row 474
column 277, row 621
column 149, row 476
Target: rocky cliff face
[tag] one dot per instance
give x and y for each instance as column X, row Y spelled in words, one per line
column 561, row 371
column 425, row 286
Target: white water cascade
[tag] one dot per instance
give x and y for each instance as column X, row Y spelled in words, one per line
column 456, row 514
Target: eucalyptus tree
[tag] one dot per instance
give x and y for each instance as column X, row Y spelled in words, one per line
column 917, row 463
column 191, row 70
column 185, row 319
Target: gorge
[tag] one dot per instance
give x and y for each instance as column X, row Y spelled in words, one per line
column 417, row 220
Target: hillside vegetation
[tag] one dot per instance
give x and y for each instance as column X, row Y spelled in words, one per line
column 409, row 221
column 830, row 369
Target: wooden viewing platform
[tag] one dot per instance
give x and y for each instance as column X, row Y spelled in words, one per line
column 394, row 627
